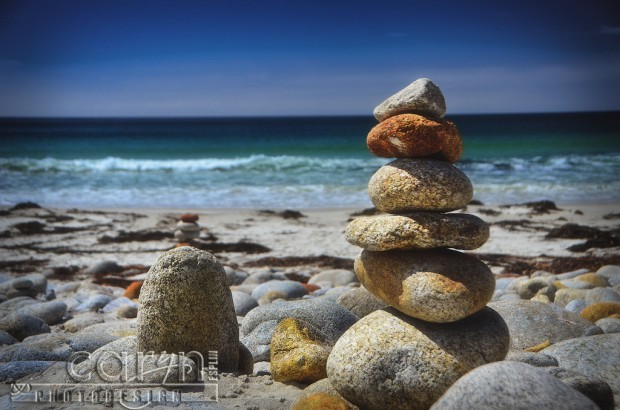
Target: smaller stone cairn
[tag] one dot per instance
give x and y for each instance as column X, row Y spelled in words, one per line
column 187, row 228
column 438, row 327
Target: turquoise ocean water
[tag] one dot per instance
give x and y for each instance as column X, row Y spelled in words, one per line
column 309, row 162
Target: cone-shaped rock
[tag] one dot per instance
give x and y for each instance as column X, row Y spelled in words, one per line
column 187, row 306
column 409, row 185
column 420, row 97
column 420, row 230
column 388, row 360
column 412, row 135
column 439, row 285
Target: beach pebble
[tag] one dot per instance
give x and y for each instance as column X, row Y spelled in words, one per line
column 118, row 328
column 325, row 386
column 104, row 268
column 600, row 310
column 258, row 340
column 571, row 274
column 50, row 348
column 259, row 277
column 127, row 311
column 597, row 295
column 575, row 284
column 595, row 356
column 117, row 303
column 611, row 273
column 609, row 325
column 593, row 279
column 361, row 302
column 259, row 324
column 81, row 321
column 94, row 303
column 49, row 312
column 234, row 277
column 532, row 323
column 409, row 185
column 532, row 358
column 334, row 294
column 576, row 305
column 333, row 278
column 594, row 388
column 564, row 296
column 6, row 338
column 243, row 302
column 299, row 352
column 186, row 306
column 286, row 289
column 412, row 135
column 320, row 401
column 13, row 371
column 389, row 360
column 503, row 283
column 527, row 289
column 421, row 230
column 438, row 285
column 21, row 325
column 511, row 385
column 420, row 97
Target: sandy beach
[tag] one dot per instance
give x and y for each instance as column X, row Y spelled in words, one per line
column 34, row 239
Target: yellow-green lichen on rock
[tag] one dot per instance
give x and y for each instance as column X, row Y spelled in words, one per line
column 299, row 352
column 600, row 310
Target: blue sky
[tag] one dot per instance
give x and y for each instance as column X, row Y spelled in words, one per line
column 246, row 58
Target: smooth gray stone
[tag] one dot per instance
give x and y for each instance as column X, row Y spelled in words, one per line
column 119, row 328
column 532, row 358
column 511, row 385
column 571, row 274
column 243, row 302
column 103, row 268
column 20, row 325
column 333, row 277
column 611, row 273
column 421, row 97
column 115, row 304
column 595, row 356
column 234, row 277
column 14, row 371
column 531, row 323
column 576, row 305
column 6, row 338
column 289, row 289
column 81, row 321
column 595, row 389
column 601, row 295
column 609, row 325
column 333, row 294
column 503, row 283
column 49, row 312
column 94, row 302
column 258, row 341
column 51, row 348
column 259, row 277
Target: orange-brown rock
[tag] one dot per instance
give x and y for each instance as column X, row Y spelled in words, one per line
column 321, row 401
column 412, row 135
column 133, row 290
column 600, row 310
column 189, row 218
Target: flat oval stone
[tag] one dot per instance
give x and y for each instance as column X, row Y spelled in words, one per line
column 439, row 285
column 412, row 135
column 388, row 360
column 409, row 185
column 420, row 97
column 421, row 230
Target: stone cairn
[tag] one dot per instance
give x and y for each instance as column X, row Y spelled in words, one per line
column 437, row 327
column 187, row 228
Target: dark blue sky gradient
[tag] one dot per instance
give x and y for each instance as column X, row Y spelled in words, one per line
column 234, row 58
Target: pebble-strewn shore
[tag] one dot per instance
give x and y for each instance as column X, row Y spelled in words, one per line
column 70, row 281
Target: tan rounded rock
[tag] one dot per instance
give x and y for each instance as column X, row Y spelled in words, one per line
column 412, row 135
column 185, row 305
column 421, row 230
column 409, row 185
column 388, row 360
column 435, row 285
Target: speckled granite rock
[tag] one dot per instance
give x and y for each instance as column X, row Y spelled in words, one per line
column 409, row 185
column 511, row 385
column 420, row 97
column 421, row 230
column 388, row 360
column 361, row 302
column 186, row 305
column 412, row 135
column 436, row 285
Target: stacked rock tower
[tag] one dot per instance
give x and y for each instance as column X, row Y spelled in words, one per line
column 437, row 327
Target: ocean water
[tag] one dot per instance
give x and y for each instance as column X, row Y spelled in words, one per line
column 309, row 162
